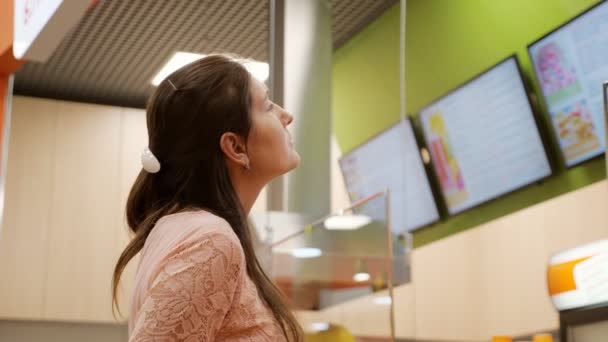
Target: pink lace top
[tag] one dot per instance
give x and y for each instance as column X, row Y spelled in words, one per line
column 192, row 285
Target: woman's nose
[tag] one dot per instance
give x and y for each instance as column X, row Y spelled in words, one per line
column 287, row 118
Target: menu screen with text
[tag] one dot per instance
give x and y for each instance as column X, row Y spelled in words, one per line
column 483, row 139
column 391, row 160
column 571, row 64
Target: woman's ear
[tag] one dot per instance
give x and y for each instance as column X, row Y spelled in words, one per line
column 235, row 149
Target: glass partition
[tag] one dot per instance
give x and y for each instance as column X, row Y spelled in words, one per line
column 338, row 272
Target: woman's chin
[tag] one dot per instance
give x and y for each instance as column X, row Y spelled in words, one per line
column 296, row 159
column 291, row 163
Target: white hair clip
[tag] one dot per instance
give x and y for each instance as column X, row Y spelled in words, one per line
column 149, row 161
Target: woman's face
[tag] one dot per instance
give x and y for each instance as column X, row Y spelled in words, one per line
column 270, row 146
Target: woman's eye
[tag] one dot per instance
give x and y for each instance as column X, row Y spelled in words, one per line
column 270, row 106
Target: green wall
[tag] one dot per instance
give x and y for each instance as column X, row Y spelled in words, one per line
column 365, row 84
column 447, row 42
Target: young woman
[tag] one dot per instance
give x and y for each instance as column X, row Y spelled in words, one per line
column 215, row 140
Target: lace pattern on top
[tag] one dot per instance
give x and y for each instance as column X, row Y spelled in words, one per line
column 202, row 293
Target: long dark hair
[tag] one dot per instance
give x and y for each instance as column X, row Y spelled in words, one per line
column 186, row 116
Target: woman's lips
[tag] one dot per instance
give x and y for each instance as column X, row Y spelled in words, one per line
column 289, row 139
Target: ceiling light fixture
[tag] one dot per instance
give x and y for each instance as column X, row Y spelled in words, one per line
column 320, row 326
column 306, row 253
column 259, row 70
column 383, row 300
column 361, row 271
column 361, row 277
column 347, row 222
column 178, row 60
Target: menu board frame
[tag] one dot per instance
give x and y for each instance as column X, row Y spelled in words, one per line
column 537, row 125
column 429, row 177
column 541, row 96
column 605, row 93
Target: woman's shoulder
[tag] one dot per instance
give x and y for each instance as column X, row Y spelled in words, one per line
column 190, row 240
column 197, row 265
column 194, row 225
column 201, row 217
column 190, row 231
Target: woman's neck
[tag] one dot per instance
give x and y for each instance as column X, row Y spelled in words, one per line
column 247, row 189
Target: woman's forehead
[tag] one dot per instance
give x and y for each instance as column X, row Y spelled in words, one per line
column 259, row 89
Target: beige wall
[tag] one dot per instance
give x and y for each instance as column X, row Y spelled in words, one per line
column 491, row 280
column 486, row 281
column 70, row 169
column 590, row 332
column 71, row 166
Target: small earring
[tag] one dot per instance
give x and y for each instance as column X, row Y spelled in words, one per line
column 247, row 165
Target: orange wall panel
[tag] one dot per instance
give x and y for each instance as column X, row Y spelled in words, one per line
column 8, row 63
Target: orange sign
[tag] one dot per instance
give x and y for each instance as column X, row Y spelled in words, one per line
column 578, row 277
